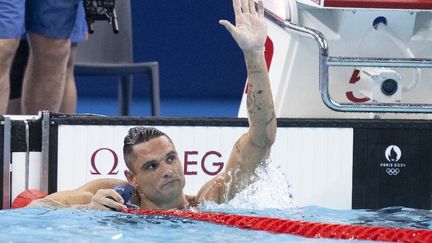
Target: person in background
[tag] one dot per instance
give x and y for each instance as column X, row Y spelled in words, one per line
column 69, row 101
column 154, row 171
column 49, row 25
column 17, row 71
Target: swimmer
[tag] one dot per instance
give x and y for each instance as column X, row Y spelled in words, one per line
column 154, row 169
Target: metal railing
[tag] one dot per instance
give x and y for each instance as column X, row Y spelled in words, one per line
column 6, row 183
column 325, row 61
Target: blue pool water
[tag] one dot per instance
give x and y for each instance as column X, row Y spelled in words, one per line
column 66, row 225
column 270, row 195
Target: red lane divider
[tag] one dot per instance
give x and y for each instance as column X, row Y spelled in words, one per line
column 302, row 228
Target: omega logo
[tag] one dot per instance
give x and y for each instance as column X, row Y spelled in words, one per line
column 114, row 162
column 211, row 169
column 188, row 162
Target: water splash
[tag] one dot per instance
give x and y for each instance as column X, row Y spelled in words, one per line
column 270, row 190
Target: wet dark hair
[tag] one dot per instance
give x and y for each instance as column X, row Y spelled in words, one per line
column 135, row 136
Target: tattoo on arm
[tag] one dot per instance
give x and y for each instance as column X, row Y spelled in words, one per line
column 252, row 99
column 237, row 145
column 255, row 68
column 273, row 116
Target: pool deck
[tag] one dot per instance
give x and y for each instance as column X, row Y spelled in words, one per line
column 181, row 107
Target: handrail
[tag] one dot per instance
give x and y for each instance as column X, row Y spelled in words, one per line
column 27, row 154
column 6, row 183
column 44, row 181
column 325, row 61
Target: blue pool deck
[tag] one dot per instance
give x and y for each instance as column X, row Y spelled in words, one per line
column 170, row 107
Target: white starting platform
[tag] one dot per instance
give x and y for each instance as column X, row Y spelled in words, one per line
column 336, row 58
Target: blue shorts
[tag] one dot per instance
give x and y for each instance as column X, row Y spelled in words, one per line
column 51, row 18
column 79, row 31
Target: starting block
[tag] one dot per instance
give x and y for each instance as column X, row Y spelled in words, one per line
column 349, row 59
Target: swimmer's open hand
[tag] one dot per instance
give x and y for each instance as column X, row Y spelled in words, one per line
column 250, row 31
column 107, row 199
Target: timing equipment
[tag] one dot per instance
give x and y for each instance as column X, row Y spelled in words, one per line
column 100, row 10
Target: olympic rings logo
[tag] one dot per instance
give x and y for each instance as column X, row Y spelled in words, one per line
column 393, row 171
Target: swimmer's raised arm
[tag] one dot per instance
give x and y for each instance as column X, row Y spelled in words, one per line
column 154, row 169
column 92, row 195
column 250, row 33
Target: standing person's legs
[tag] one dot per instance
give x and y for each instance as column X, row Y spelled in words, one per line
column 79, row 34
column 48, row 36
column 18, row 68
column 11, row 28
column 69, row 101
column 45, row 75
column 19, row 65
column 17, row 71
column 7, row 52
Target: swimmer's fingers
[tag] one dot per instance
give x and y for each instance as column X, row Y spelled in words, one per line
column 228, row 26
column 237, row 8
column 245, row 6
column 107, row 199
column 252, row 9
column 104, row 193
column 260, row 8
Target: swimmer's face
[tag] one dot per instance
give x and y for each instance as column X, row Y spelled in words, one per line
column 158, row 171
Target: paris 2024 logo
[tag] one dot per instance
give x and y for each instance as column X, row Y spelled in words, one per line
column 393, row 165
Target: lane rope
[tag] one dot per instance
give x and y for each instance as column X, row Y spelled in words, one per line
column 277, row 225
column 301, row 228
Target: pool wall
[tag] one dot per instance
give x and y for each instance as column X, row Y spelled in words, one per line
column 331, row 163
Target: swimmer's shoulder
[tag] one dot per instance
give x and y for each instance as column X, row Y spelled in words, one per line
column 105, row 183
column 213, row 190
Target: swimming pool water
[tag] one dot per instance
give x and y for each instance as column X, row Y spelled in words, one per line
column 67, row 225
column 270, row 195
